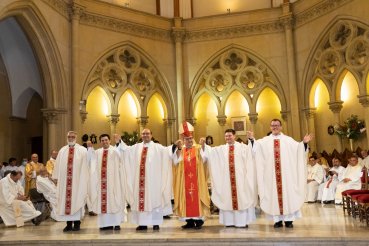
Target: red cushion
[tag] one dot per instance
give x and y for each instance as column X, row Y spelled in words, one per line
column 356, row 192
column 344, row 193
column 356, row 196
column 363, row 198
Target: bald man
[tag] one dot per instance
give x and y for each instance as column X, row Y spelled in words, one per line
column 51, row 162
column 32, row 171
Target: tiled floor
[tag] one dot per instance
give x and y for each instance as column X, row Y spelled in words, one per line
column 320, row 225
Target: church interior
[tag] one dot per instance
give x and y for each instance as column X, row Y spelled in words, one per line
column 120, row 66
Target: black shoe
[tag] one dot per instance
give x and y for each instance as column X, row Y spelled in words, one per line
column 166, row 217
column 243, row 227
column 77, row 225
column 117, row 228
column 230, row 226
column 141, row 228
column 69, row 226
column 156, row 228
column 288, row 224
column 190, row 224
column 198, row 224
column 278, row 224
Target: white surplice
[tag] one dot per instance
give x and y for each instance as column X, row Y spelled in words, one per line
column 245, row 177
column 316, row 173
column 80, row 182
column 354, row 173
column 158, row 182
column 116, row 182
column 328, row 189
column 293, row 156
column 9, row 191
column 48, row 188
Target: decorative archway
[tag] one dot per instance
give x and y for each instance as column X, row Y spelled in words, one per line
column 235, row 68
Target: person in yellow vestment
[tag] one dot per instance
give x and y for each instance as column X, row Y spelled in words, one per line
column 191, row 195
column 51, row 162
column 32, row 170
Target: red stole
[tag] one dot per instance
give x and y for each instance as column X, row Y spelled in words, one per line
column 232, row 175
column 104, row 184
column 68, row 193
column 278, row 173
column 191, row 186
column 141, row 191
column 329, row 182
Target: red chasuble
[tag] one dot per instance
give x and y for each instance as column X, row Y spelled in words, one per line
column 232, row 175
column 104, row 183
column 141, row 192
column 191, row 186
column 68, row 193
column 278, row 173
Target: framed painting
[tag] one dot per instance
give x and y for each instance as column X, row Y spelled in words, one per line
column 239, row 125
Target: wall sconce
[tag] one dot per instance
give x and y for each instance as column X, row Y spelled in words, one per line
column 228, row 11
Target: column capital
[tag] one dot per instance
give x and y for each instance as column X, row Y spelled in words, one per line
column 309, row 112
column 51, row 114
column 364, row 100
column 75, row 11
column 169, row 121
column 336, row 106
column 253, row 117
column 143, row 120
column 113, row 118
column 287, row 21
column 222, row 119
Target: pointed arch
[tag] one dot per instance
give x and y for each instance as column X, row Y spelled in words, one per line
column 235, row 67
column 312, row 92
column 334, row 52
column 127, row 66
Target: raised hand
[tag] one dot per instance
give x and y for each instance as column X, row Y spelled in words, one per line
column 250, row 134
column 179, row 144
column 202, row 142
column 117, row 138
column 308, row 138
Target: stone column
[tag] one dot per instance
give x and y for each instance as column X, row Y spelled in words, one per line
column 310, row 118
column 287, row 22
column 284, row 116
column 364, row 100
column 142, row 122
column 169, row 125
column 178, row 33
column 336, row 107
column 52, row 119
column 113, row 120
column 253, row 118
column 75, row 14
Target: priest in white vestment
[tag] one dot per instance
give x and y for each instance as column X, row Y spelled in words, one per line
column 281, row 173
column 107, row 185
column 351, row 179
column 329, row 187
column 72, row 175
column 315, row 176
column 364, row 160
column 46, row 186
column 149, row 180
column 233, row 178
column 15, row 208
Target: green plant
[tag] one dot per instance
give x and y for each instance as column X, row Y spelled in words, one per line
column 130, row 139
column 351, row 128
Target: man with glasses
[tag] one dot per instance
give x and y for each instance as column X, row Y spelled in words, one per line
column 281, row 170
column 72, row 176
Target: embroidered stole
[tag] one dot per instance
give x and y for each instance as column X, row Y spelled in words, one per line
column 232, row 175
column 278, row 173
column 191, row 186
column 104, row 183
column 141, row 191
column 68, row 193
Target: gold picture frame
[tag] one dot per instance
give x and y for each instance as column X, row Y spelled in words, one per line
column 239, row 125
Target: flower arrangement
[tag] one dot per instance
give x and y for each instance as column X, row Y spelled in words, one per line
column 130, row 139
column 352, row 128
